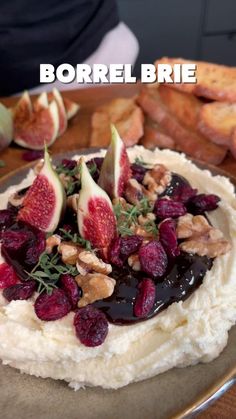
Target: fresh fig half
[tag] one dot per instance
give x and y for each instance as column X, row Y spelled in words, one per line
column 115, row 171
column 41, row 102
column 56, row 95
column 71, row 108
column 44, row 203
column 23, row 110
column 96, row 219
column 6, row 127
column 40, row 128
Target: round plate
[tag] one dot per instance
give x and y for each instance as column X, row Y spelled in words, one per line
column 179, row 392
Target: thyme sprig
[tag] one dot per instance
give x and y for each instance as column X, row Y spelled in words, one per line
column 128, row 217
column 74, row 183
column 48, row 270
column 75, row 238
column 151, row 227
column 66, row 171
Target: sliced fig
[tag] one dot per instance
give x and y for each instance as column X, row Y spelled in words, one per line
column 71, row 108
column 96, row 219
column 115, row 171
column 41, row 102
column 55, row 95
column 22, row 111
column 6, row 127
column 40, row 128
column 44, row 202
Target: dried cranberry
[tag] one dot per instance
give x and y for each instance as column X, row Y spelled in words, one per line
column 184, row 193
column 8, row 276
column 32, row 155
column 22, row 246
column 168, row 237
column 6, row 218
column 203, row 202
column 69, row 164
column 91, row 326
column 138, row 172
column 20, row 291
column 15, row 240
column 130, row 245
column 70, row 286
column 145, row 298
column 36, row 248
column 114, row 252
column 153, row 259
column 122, row 247
column 52, row 307
column 167, row 208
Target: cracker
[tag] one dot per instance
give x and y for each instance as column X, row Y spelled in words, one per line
column 124, row 114
column 187, row 140
column 214, row 81
column 155, row 136
column 185, row 107
column 217, row 120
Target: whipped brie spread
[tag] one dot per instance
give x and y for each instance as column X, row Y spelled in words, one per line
column 186, row 333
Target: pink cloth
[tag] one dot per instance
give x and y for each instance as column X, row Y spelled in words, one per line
column 119, row 46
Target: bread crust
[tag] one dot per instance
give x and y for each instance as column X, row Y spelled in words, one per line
column 127, row 117
column 217, row 120
column 186, row 137
column 214, row 81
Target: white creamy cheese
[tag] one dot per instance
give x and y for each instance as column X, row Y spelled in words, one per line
column 185, row 333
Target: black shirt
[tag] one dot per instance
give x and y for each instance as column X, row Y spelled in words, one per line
column 48, row 31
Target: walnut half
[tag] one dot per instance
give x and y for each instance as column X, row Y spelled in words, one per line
column 91, row 262
column 189, row 225
column 157, row 179
column 72, row 202
column 69, row 252
column 200, row 237
column 134, row 262
column 95, row 287
column 51, row 242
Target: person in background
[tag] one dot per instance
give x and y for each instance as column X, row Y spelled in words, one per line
column 56, row 32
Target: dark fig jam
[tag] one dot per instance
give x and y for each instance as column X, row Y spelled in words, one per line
column 183, row 277
column 176, row 182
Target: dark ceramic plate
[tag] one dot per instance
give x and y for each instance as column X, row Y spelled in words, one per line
column 180, row 392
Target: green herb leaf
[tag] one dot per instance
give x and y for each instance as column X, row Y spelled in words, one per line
column 2, row 163
column 48, row 270
column 74, row 175
column 127, row 217
column 76, row 238
column 92, row 168
column 72, row 185
column 68, row 172
column 151, row 227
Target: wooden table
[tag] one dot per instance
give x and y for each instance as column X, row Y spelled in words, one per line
column 77, row 136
